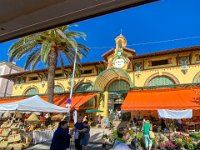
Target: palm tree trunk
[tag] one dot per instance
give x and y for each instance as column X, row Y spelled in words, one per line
column 51, row 74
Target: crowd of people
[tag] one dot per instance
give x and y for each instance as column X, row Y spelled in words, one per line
column 61, row 138
column 81, row 132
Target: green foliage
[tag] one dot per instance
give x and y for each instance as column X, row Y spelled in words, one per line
column 155, row 143
column 190, row 146
column 37, row 47
column 140, row 136
column 114, row 136
column 195, row 135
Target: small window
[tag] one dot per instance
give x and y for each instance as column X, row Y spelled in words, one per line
column 31, row 91
column 197, row 57
column 33, row 78
column 86, row 71
column 17, row 81
column 59, row 75
column 138, row 67
column 160, row 62
column 58, row 89
column 22, row 80
column 184, row 63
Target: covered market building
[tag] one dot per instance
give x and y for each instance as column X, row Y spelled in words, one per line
column 167, row 79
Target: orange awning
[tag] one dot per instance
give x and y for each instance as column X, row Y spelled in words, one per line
column 77, row 100
column 174, row 99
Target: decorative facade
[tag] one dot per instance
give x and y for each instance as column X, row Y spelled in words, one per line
column 120, row 71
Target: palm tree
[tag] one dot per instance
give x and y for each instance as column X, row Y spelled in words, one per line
column 49, row 47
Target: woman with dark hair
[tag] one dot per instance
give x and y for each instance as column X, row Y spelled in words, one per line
column 123, row 134
column 61, row 137
column 85, row 135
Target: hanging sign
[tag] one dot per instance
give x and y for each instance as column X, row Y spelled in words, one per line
column 69, row 101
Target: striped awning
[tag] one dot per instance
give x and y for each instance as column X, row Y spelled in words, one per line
column 108, row 75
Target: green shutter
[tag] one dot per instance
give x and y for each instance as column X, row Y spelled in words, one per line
column 58, row 89
column 32, row 91
column 84, row 87
column 119, row 85
column 197, row 80
column 162, row 80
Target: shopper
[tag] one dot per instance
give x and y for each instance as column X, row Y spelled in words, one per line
column 123, row 135
column 85, row 135
column 77, row 136
column 180, row 126
column 61, row 137
column 163, row 125
column 146, row 128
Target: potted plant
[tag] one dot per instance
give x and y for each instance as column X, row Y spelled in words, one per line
column 104, row 138
column 162, row 145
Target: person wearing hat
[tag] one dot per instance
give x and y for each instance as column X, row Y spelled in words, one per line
column 123, row 134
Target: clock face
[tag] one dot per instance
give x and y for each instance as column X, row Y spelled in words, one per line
column 119, row 63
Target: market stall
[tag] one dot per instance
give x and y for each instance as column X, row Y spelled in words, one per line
column 19, row 128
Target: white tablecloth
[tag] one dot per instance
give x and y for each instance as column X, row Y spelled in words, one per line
column 42, row 136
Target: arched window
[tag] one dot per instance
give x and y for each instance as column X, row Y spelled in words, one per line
column 31, row 91
column 198, row 80
column 58, row 89
column 119, row 85
column 161, row 80
column 84, row 87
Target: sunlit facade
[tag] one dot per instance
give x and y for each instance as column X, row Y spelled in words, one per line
column 111, row 79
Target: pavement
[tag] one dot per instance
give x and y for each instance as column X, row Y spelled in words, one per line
column 95, row 141
column 46, row 146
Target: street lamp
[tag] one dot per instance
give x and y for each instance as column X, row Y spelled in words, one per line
column 68, row 105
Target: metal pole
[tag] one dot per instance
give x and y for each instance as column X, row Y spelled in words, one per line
column 72, row 81
column 73, row 74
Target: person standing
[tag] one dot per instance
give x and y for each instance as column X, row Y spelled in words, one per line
column 146, row 128
column 163, row 125
column 85, row 132
column 124, row 135
column 61, row 137
column 180, row 126
column 77, row 136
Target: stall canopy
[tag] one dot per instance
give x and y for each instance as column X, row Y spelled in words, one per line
column 174, row 99
column 32, row 104
column 175, row 114
column 78, row 100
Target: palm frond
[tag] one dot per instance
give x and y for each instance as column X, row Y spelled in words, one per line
column 35, row 61
column 61, row 63
column 31, row 57
column 68, row 39
column 45, row 49
column 75, row 34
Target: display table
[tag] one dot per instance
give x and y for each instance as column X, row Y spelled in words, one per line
column 42, row 136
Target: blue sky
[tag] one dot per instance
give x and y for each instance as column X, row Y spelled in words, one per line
column 155, row 22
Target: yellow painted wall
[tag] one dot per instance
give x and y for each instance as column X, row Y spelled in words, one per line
column 20, row 89
column 104, row 106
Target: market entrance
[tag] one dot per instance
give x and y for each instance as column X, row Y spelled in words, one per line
column 117, row 92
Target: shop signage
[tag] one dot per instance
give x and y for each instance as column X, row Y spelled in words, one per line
column 119, row 63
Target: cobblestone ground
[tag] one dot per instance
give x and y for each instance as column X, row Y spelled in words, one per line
column 46, row 146
column 95, row 137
